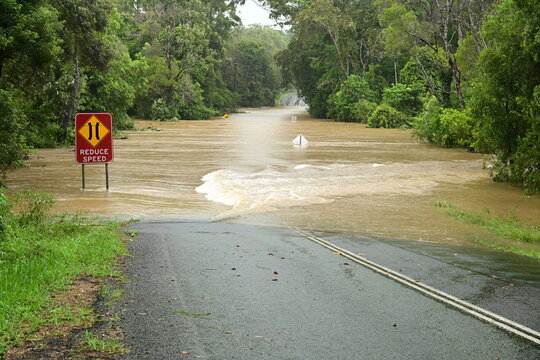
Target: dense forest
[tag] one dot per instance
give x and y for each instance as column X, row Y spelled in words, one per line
column 458, row 72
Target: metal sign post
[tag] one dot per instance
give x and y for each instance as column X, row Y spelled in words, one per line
column 94, row 142
column 107, row 176
column 83, row 178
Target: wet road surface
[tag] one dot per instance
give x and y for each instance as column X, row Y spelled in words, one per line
column 230, row 291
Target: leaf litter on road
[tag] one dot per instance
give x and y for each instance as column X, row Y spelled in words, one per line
column 191, row 315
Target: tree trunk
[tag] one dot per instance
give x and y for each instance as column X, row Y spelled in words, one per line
column 428, row 80
column 395, row 72
column 73, row 96
column 456, row 74
column 446, row 36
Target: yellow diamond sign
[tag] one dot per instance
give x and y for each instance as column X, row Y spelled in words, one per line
column 93, row 131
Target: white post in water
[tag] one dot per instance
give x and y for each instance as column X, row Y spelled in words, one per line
column 300, row 140
column 293, row 119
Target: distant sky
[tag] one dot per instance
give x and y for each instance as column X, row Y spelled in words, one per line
column 253, row 13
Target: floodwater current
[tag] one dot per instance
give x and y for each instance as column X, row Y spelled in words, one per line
column 349, row 178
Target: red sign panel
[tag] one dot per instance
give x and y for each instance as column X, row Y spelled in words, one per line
column 93, row 138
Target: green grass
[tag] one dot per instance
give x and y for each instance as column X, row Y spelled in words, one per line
column 112, row 295
column 39, row 256
column 91, row 342
column 508, row 228
column 509, row 248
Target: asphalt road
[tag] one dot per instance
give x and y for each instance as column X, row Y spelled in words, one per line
column 227, row 291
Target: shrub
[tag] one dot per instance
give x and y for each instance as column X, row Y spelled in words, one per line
column 363, row 110
column 163, row 112
column 386, row 116
column 32, row 208
column 196, row 112
column 458, row 127
column 445, row 127
column 525, row 164
column 426, row 126
column 12, row 120
column 5, row 212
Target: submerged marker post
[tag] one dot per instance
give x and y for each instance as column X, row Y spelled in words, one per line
column 106, row 176
column 94, row 142
column 83, row 178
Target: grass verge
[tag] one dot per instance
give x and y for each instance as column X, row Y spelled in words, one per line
column 40, row 257
column 94, row 343
column 508, row 228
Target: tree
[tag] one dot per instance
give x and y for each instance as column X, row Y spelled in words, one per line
column 250, row 70
column 28, row 46
column 506, row 96
column 84, row 26
column 437, row 25
column 331, row 40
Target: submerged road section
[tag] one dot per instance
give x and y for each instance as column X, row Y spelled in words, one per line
column 228, row 291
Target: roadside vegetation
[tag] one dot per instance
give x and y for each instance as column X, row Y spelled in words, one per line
column 508, row 228
column 459, row 73
column 39, row 257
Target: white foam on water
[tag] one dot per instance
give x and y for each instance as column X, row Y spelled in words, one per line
column 281, row 187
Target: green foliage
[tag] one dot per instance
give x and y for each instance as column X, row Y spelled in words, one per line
column 445, row 127
column 314, row 81
column 252, row 77
column 386, row 116
column 352, row 102
column 39, row 257
column 250, row 70
column 521, row 234
column 405, row 98
column 525, row 167
column 32, row 208
column 363, row 110
column 426, row 126
column 459, row 126
column 467, row 55
column 508, row 227
column 5, row 212
column 163, row 112
column 330, row 41
column 505, row 98
column 429, row 70
column 379, row 77
column 92, row 342
column 12, row 120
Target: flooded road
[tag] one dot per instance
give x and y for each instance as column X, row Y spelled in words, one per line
column 375, row 182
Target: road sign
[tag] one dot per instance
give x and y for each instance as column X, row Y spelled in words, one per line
column 93, row 138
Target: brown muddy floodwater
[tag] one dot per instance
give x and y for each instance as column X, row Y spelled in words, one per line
column 349, row 178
